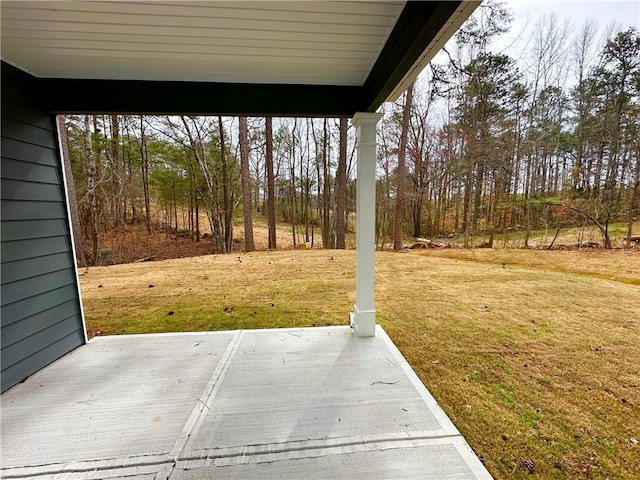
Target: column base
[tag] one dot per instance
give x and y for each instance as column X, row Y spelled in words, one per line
column 363, row 322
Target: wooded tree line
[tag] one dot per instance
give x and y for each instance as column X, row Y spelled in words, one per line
column 482, row 142
column 167, row 171
column 494, row 143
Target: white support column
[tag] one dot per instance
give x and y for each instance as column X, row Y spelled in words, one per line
column 363, row 317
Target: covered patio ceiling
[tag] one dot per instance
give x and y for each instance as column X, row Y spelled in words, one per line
column 238, row 58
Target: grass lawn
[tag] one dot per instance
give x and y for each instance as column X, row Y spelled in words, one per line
column 534, row 355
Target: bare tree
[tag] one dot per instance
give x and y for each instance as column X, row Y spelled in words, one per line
column 327, row 237
column 227, row 192
column 401, row 172
column 144, row 164
column 582, row 47
column 71, row 191
column 247, row 209
column 271, row 187
column 195, row 132
column 91, row 190
column 341, row 186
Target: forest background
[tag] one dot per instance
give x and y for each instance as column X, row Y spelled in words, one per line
column 482, row 145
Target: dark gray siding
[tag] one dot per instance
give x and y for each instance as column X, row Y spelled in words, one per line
column 41, row 316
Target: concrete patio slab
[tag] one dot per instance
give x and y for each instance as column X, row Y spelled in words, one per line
column 283, row 403
column 284, row 387
column 108, row 402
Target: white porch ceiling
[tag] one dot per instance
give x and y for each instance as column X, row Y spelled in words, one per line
column 301, row 42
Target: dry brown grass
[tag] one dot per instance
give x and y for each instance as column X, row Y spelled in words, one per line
column 619, row 265
column 536, row 361
column 530, row 364
column 215, row 292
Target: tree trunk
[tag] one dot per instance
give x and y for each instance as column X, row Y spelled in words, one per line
column 144, row 160
column 271, row 201
column 341, row 187
column 401, row 173
column 635, row 193
column 477, row 197
column 71, row 191
column 292, row 182
column 326, row 190
column 118, row 168
column 227, row 203
column 197, row 217
column 131, row 189
column 91, row 190
column 468, row 200
column 319, row 203
column 527, row 205
column 247, row 212
column 175, row 206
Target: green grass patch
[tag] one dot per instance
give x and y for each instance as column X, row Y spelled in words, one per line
column 505, row 395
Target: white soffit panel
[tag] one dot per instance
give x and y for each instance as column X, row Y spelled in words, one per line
column 303, row 42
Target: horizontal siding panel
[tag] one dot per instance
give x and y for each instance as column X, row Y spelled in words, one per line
column 30, row 172
column 33, row 267
column 34, row 37
column 18, row 311
column 21, row 210
column 23, row 230
column 230, row 59
column 385, row 8
column 288, row 22
column 342, row 8
column 34, row 286
column 18, row 150
column 20, row 190
column 212, row 52
column 371, row 13
column 27, row 133
column 34, row 324
column 22, row 249
column 198, row 32
column 12, row 354
column 18, row 372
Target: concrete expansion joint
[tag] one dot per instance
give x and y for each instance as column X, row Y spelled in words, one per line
column 267, row 453
column 92, row 468
column 206, row 399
